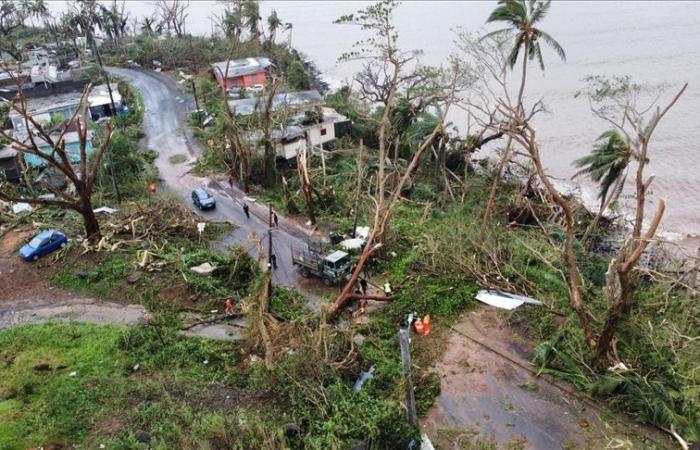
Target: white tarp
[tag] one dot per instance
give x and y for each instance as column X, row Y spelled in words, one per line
column 352, row 244
column 504, row 300
column 362, row 232
column 203, row 269
column 21, row 207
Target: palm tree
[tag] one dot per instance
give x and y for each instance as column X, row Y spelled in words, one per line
column 522, row 18
column 273, row 24
column 606, row 165
column 251, row 14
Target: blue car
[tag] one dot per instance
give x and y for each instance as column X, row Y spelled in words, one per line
column 42, row 244
column 203, row 199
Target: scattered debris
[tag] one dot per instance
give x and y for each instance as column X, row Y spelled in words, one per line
column 42, row 367
column 504, row 300
column 358, row 339
column 142, row 437
column 352, row 244
column 104, row 209
column 133, row 278
column 619, row 367
column 203, row 269
column 21, row 207
column 136, row 367
column 364, row 376
column 73, row 374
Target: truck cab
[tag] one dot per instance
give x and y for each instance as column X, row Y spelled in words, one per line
column 336, row 265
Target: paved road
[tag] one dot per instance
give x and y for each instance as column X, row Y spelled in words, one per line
column 165, row 125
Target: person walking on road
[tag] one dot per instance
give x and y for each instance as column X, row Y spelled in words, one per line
column 246, row 210
column 275, row 220
column 273, row 260
column 228, row 305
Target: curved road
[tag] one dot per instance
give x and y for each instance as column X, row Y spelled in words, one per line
column 166, row 128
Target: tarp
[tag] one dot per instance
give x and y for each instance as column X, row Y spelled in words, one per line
column 504, row 300
column 203, row 269
column 352, row 244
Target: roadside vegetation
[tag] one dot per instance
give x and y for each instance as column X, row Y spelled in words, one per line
column 618, row 321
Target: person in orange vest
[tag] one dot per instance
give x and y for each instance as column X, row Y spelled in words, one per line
column 426, row 325
column 228, row 305
column 418, row 326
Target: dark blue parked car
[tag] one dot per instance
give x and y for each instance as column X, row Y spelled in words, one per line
column 203, row 199
column 42, row 244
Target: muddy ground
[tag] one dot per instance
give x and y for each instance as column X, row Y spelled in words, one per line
column 27, row 297
column 485, row 397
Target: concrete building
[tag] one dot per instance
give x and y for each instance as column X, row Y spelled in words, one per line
column 242, row 73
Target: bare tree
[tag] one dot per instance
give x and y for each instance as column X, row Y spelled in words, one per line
column 80, row 175
column 240, row 152
column 453, row 84
column 269, row 148
column 173, row 15
column 622, row 278
column 381, row 49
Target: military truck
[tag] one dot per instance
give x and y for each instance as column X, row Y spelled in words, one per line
column 331, row 269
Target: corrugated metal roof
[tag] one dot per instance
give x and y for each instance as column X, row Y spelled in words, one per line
column 292, row 100
column 241, row 67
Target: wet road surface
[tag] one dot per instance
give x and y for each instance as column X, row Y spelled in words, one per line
column 165, row 126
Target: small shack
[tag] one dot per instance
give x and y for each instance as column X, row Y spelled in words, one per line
column 10, row 168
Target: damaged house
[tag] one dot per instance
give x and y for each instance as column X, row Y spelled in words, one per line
column 307, row 122
column 242, row 73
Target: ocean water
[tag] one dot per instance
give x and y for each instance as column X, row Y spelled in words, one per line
column 657, row 43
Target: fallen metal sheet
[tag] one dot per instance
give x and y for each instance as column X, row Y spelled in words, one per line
column 504, row 300
column 104, row 209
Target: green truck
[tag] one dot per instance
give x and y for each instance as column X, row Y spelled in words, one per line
column 331, row 269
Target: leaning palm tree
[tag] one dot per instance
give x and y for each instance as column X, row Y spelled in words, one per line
column 522, row 18
column 606, row 165
column 273, row 24
column 251, row 15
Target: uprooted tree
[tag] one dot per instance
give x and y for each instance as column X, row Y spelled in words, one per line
column 622, row 277
column 80, row 173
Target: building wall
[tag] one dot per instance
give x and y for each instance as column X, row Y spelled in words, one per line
column 243, row 81
column 288, row 150
column 321, row 133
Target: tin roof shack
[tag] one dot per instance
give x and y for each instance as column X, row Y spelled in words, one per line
column 308, row 119
column 242, row 73
column 47, row 108
column 9, row 165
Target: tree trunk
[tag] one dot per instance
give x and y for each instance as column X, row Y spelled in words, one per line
column 92, row 226
column 496, row 181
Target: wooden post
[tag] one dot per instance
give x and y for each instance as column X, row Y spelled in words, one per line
column 411, row 415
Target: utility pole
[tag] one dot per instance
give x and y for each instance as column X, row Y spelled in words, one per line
column 411, row 415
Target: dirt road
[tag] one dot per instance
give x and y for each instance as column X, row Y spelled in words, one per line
column 166, row 128
column 484, row 396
